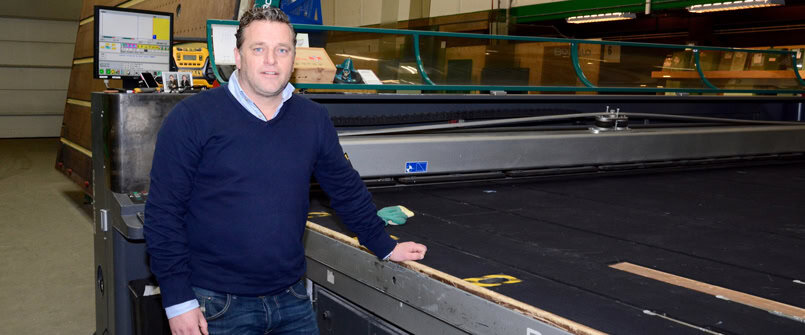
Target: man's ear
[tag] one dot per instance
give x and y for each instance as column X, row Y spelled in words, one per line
column 237, row 58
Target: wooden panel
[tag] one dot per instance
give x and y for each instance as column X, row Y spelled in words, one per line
column 190, row 17
column 459, row 18
column 84, row 41
column 82, row 84
column 530, row 55
column 465, row 26
column 75, row 165
column 475, row 53
column 88, row 5
column 76, row 125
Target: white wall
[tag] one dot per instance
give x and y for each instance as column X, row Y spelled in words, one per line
column 356, row 13
column 35, row 68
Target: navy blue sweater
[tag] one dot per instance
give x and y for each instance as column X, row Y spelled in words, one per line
column 229, row 198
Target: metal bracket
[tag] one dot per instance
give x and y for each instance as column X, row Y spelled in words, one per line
column 104, row 216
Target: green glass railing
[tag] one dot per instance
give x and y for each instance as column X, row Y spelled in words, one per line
column 431, row 61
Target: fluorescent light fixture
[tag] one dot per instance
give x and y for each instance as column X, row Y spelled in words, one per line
column 601, row 17
column 734, row 5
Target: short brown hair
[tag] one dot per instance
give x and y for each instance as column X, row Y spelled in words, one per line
column 270, row 14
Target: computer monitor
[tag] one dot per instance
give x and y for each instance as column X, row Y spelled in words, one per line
column 129, row 42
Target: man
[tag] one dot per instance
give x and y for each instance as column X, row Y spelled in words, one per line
column 229, row 195
column 185, row 81
column 172, row 83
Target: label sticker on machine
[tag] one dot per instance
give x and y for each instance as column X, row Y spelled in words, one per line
column 416, row 167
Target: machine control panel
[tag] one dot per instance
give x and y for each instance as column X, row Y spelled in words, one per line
column 138, row 197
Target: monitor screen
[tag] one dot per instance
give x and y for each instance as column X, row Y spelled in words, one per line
column 129, row 42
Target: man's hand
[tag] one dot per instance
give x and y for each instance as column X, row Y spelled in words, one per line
column 189, row 323
column 408, row 251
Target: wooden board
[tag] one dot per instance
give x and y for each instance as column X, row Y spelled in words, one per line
column 87, row 9
column 84, row 41
column 75, row 164
column 76, row 125
column 772, row 306
column 190, row 17
column 82, row 84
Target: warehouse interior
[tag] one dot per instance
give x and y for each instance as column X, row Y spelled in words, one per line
column 732, row 207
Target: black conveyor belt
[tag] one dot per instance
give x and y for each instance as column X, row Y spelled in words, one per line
column 740, row 228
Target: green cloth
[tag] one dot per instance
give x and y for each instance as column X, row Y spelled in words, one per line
column 395, row 215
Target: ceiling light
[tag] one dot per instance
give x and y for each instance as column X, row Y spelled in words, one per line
column 734, row 5
column 600, row 17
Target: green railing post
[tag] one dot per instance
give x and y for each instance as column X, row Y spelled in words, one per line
column 574, row 55
column 419, row 64
column 796, row 70
column 699, row 69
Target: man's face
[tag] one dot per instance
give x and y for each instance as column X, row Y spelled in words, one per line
column 265, row 59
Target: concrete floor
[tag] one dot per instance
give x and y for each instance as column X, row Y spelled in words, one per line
column 46, row 251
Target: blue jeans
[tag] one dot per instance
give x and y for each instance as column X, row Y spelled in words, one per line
column 288, row 312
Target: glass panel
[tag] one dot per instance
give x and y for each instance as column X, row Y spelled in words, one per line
column 482, row 61
column 749, row 70
column 539, row 64
column 390, row 57
column 639, row 67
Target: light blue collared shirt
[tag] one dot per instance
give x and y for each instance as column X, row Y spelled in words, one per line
column 240, row 96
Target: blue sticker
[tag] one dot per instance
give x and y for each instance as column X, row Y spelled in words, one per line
column 416, row 167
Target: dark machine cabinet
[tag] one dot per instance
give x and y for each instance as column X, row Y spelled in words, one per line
column 336, row 315
column 124, row 130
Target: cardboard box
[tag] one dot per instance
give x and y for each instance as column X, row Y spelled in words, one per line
column 709, row 59
column 757, row 61
column 739, row 61
column 312, row 66
column 726, row 61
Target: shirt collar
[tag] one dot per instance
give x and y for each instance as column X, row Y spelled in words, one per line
column 243, row 99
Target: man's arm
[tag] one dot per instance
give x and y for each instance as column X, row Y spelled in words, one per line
column 353, row 202
column 173, row 170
